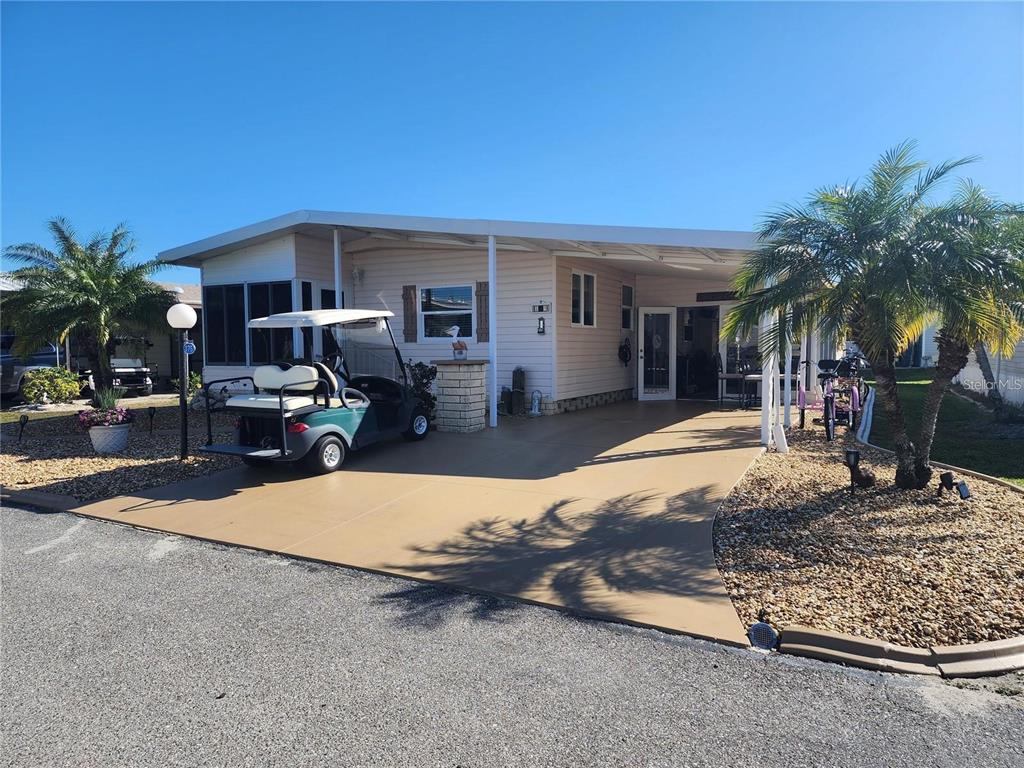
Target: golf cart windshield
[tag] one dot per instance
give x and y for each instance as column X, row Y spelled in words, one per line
column 366, row 349
column 361, row 336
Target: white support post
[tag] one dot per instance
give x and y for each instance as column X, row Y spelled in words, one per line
column 492, row 328
column 769, row 370
column 339, row 301
column 788, row 384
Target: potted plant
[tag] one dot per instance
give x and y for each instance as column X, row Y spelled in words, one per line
column 108, row 423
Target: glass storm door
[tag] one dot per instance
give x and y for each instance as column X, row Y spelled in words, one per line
column 657, row 364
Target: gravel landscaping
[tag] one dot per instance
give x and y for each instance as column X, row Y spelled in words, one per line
column 907, row 567
column 55, row 456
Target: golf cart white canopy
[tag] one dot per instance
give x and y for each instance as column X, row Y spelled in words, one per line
column 318, row 317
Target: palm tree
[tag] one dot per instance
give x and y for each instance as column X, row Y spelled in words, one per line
column 91, row 288
column 851, row 262
column 975, row 284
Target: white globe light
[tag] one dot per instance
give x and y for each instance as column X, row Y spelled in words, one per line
column 181, row 316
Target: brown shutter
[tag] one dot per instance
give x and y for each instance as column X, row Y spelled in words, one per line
column 409, row 324
column 483, row 327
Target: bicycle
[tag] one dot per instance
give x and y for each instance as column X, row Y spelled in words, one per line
column 841, row 384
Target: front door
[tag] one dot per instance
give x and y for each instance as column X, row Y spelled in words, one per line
column 657, row 363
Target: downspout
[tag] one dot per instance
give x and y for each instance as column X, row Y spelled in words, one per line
column 492, row 328
column 339, row 300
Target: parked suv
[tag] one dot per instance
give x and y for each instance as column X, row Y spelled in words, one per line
column 14, row 368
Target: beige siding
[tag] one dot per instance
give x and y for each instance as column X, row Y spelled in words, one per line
column 587, row 358
column 524, row 279
column 663, row 291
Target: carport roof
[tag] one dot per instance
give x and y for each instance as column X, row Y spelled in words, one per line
column 640, row 244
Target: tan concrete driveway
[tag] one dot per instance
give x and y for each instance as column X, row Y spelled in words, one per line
column 607, row 512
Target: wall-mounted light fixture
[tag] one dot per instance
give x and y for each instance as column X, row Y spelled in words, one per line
column 541, row 306
column 357, row 275
column 541, row 328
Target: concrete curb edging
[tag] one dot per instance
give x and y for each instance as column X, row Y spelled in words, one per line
column 949, row 661
column 50, row 502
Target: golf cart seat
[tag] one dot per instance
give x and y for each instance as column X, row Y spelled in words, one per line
column 269, row 380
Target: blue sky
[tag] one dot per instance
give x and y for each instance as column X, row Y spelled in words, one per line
column 188, row 119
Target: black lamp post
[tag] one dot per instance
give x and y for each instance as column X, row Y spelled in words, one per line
column 181, row 317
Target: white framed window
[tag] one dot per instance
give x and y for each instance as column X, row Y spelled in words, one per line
column 441, row 307
column 584, row 299
column 627, row 307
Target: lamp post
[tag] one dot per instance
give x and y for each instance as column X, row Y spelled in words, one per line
column 181, row 317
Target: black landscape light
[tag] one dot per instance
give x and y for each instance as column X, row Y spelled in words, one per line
column 851, row 458
column 22, row 421
column 152, row 412
column 948, row 483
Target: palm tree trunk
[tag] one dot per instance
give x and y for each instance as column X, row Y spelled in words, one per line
column 991, row 388
column 952, row 359
column 99, row 363
column 889, row 397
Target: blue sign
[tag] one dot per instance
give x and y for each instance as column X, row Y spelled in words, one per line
column 189, row 348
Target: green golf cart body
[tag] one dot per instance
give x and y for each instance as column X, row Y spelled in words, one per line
column 315, row 412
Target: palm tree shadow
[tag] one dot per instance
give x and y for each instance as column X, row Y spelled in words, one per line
column 591, row 560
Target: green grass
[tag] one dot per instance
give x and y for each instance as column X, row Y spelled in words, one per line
column 966, row 436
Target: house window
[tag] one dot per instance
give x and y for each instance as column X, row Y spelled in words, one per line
column 627, row 307
column 268, row 345
column 443, row 307
column 224, row 324
column 584, row 299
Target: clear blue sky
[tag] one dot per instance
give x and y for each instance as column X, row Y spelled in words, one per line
column 188, row 119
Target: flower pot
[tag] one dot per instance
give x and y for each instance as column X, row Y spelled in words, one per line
column 112, row 439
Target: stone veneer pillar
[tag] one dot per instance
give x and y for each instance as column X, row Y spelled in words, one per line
column 461, row 390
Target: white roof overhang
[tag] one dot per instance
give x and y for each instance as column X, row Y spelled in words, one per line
column 361, row 232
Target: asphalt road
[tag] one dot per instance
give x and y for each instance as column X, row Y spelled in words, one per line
column 123, row 647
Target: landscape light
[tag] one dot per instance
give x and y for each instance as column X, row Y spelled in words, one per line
column 852, row 458
column 948, row 483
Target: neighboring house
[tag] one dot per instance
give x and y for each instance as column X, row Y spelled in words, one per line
column 923, row 353
column 1005, row 374
column 163, row 356
column 160, row 354
column 558, row 300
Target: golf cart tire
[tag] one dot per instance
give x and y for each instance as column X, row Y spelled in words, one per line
column 321, row 457
column 417, row 429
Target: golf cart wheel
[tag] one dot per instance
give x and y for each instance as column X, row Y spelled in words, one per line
column 419, row 425
column 326, row 455
column 255, row 461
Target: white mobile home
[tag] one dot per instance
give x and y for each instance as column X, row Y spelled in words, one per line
column 593, row 314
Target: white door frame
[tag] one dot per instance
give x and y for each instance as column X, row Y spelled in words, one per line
column 670, row 393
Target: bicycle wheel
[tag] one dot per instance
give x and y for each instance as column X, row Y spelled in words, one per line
column 829, row 418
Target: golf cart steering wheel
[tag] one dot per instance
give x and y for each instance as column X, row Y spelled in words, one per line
column 333, row 361
column 353, row 398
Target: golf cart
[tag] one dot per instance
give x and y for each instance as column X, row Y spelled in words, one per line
column 357, row 394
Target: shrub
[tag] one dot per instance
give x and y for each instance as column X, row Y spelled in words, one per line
column 195, row 383
column 423, row 376
column 107, row 412
column 53, row 385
